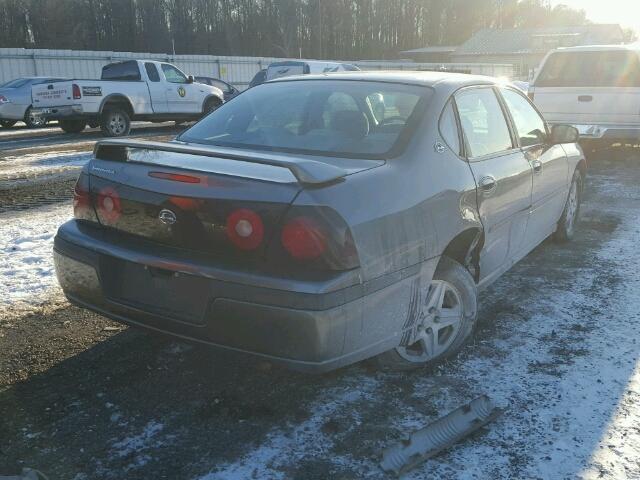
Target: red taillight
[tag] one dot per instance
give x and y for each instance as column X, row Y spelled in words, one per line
column 245, row 229
column 109, row 205
column 76, row 92
column 304, row 238
column 175, row 177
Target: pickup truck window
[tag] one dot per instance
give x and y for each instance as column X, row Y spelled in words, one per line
column 172, row 74
column 152, row 72
column 121, row 71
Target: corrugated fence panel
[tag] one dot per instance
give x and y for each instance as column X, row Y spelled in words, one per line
column 17, row 62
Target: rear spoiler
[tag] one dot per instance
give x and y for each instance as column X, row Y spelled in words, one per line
column 305, row 171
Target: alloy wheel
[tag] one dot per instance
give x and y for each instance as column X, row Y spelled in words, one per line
column 439, row 323
column 572, row 207
column 117, row 124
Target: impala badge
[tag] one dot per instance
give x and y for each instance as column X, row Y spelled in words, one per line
column 167, row 217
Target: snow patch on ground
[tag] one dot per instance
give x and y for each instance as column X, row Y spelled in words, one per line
column 27, row 275
column 29, row 166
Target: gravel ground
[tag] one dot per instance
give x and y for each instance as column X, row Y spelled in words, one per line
column 557, row 346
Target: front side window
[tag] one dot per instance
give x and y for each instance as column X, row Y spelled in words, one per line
column 325, row 117
column 483, row 123
column 529, row 124
column 172, row 74
column 152, row 72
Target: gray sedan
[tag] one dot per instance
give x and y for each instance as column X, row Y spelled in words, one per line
column 15, row 101
column 320, row 220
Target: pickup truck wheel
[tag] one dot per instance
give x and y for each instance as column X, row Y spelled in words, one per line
column 211, row 105
column 115, row 122
column 7, row 123
column 72, row 126
column 567, row 224
column 444, row 322
column 32, row 120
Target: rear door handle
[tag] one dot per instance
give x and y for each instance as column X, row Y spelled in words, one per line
column 537, row 166
column 585, row 98
column 488, row 183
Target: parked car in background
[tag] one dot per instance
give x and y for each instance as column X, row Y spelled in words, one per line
column 300, row 67
column 297, row 224
column 131, row 90
column 596, row 89
column 259, row 78
column 15, row 102
column 228, row 90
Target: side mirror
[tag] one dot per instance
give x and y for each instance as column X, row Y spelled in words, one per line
column 564, row 134
column 190, row 79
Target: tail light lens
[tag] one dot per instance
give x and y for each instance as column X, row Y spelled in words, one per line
column 245, row 229
column 109, row 207
column 315, row 237
column 82, row 208
column 304, row 239
column 76, row 92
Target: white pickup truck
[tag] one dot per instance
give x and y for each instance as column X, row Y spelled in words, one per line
column 130, row 90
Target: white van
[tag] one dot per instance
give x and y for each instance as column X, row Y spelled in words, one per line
column 302, row 67
column 596, row 89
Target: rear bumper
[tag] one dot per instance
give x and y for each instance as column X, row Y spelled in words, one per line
column 312, row 326
column 609, row 132
column 65, row 112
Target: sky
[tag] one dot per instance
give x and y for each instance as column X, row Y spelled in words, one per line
column 624, row 12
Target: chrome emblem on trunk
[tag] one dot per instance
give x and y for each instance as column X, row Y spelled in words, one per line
column 167, row 217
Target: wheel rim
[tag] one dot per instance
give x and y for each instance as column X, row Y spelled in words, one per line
column 439, row 323
column 35, row 120
column 117, row 124
column 572, row 207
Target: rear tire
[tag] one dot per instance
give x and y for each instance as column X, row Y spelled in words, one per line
column 7, row 123
column 72, row 126
column 447, row 319
column 33, row 121
column 567, row 224
column 115, row 122
column 210, row 105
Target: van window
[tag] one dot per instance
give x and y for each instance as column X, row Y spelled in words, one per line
column 483, row 123
column 591, row 69
column 121, row 71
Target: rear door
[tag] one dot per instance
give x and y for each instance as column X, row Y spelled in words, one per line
column 503, row 176
column 157, row 89
column 590, row 88
column 549, row 163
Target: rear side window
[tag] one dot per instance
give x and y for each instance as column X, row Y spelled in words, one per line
column 591, row 69
column 152, row 72
column 483, row 123
column 449, row 128
column 121, row 71
column 529, row 124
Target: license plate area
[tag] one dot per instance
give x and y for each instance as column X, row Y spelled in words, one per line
column 166, row 293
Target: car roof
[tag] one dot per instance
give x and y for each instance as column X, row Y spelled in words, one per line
column 408, row 77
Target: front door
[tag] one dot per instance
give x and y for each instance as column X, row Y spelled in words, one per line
column 183, row 97
column 503, row 177
column 549, row 164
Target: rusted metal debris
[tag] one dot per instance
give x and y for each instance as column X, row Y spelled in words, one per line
column 439, row 435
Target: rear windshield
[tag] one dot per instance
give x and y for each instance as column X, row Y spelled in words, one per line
column 355, row 119
column 591, row 69
column 121, row 71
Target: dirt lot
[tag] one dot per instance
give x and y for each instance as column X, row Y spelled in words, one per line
column 84, row 398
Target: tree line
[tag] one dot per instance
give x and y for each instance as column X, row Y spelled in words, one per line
column 337, row 29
